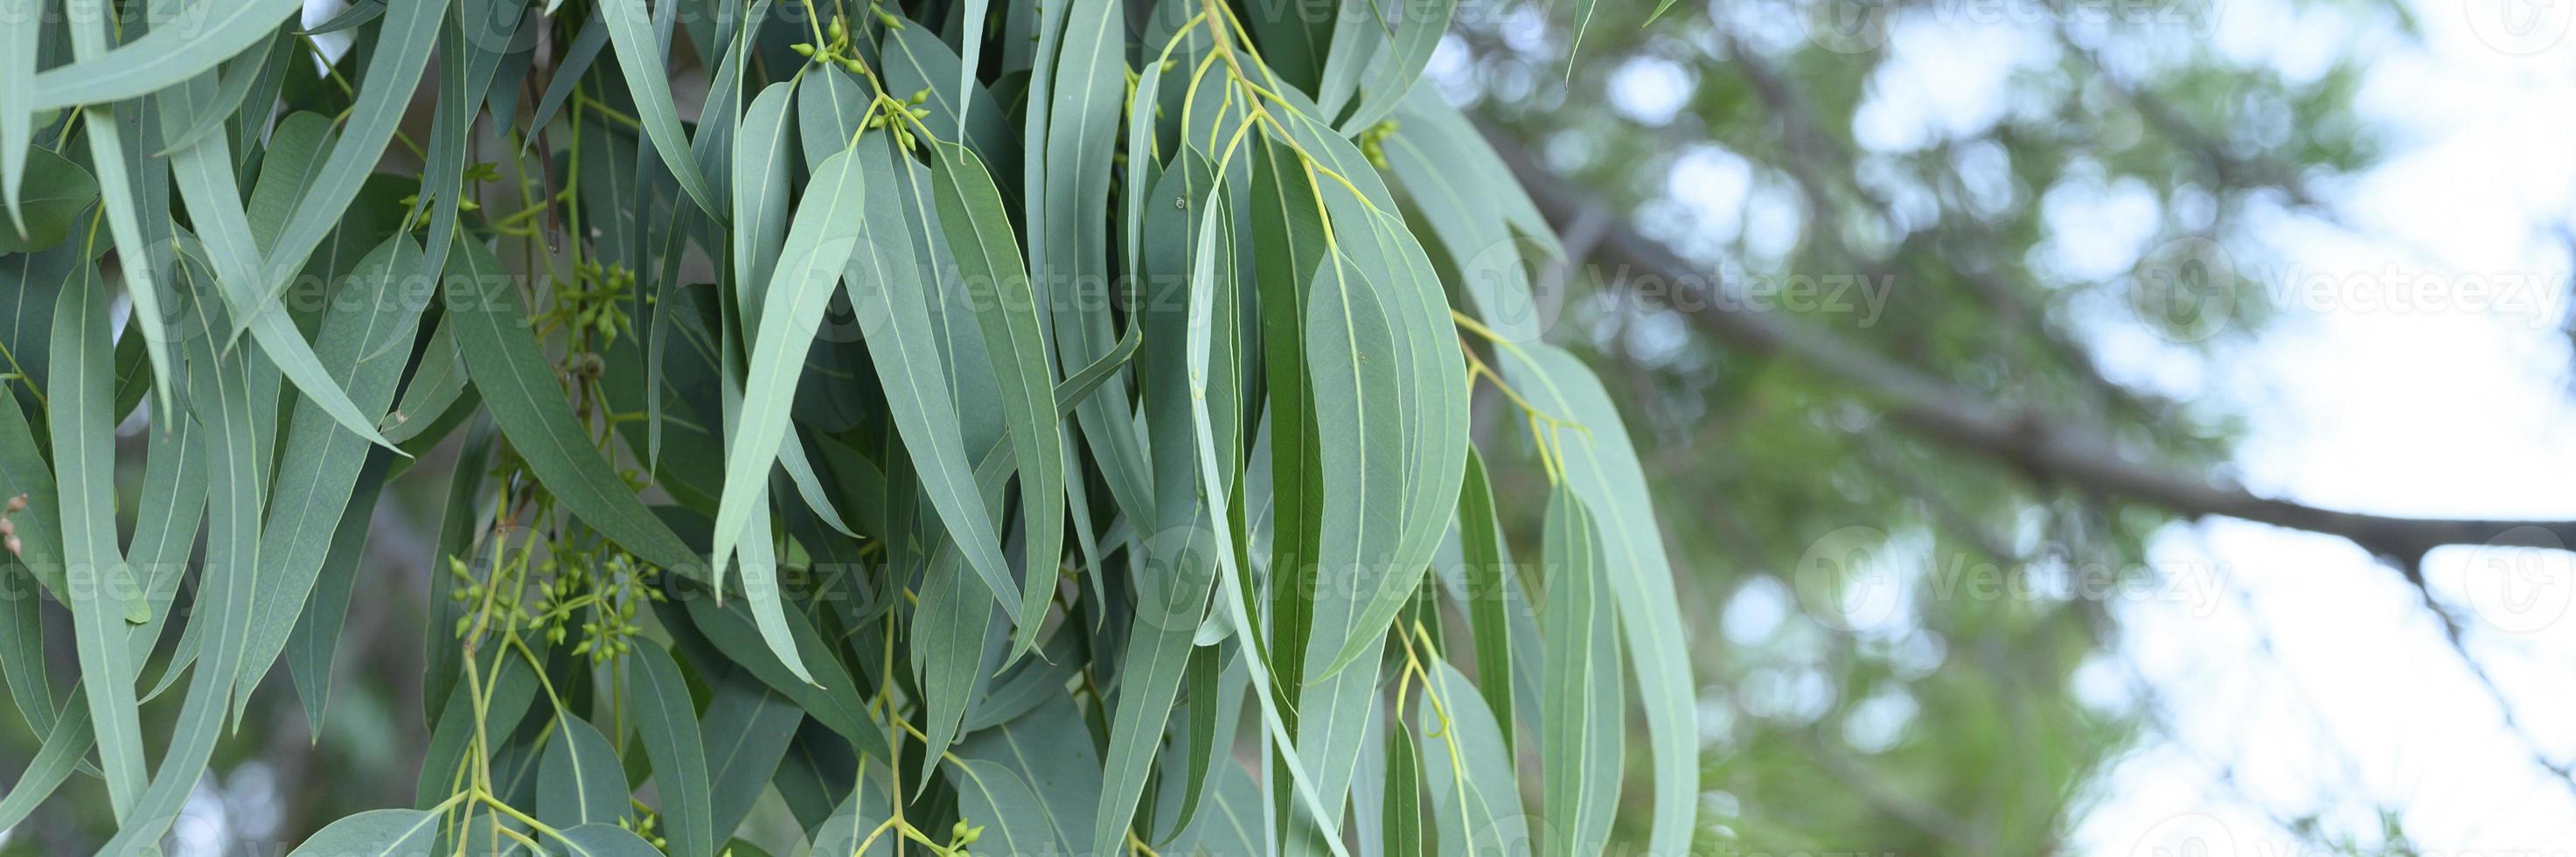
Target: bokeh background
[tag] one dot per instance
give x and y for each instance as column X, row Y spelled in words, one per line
column 2310, row 250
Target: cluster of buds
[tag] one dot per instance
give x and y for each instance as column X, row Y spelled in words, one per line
column 836, row 49
column 901, row 126
column 595, row 302
column 960, row 836
column 1373, row 142
column 469, row 589
column 9, row 528
column 646, row 828
column 612, row 598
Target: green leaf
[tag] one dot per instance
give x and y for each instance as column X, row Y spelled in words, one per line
column 1402, row 812
column 1231, row 579
column 894, row 318
column 1601, row 468
column 1051, row 750
column 580, row 781
column 856, row 822
column 1001, row 805
column 1480, row 544
column 1237, row 820
column 605, row 840
column 438, row 384
column 831, row 697
column 402, row 48
column 569, row 71
column 1475, row 799
column 720, row 119
column 760, row 197
column 65, row 743
column 366, row 339
column 947, row 645
column 173, row 503
column 1172, row 591
column 219, row 395
column 1070, row 145
column 518, row 384
column 668, row 723
column 206, row 180
column 967, row 66
column 1584, row 737
column 100, row 590
column 1582, row 23
column 309, row 651
column 1377, row 252
column 374, row 833
column 820, row 243
column 978, row 229
column 1399, row 63
column 244, row 70
column 22, row 24
column 639, row 55
column 747, row 727
column 460, row 520
column 168, row 55
column 50, row 204
column 126, row 214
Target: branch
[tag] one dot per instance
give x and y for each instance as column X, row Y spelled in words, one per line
column 2046, row 447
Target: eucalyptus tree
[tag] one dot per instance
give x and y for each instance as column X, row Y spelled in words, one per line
column 1026, row 427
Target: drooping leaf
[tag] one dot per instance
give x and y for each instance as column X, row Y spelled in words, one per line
column 50, row 204
column 402, row 51
column 1601, row 468
column 1402, row 811
column 99, row 587
column 747, row 727
column 21, row 25
column 164, row 57
column 970, row 210
column 205, row 177
column 605, row 840
column 580, row 781
column 1480, row 545
column 366, row 338
column 65, row 743
column 1475, row 799
column 1581, row 746
column 1009, row 816
column 374, row 833
column 518, row 385
column 639, row 55
column 127, row 209
column 668, row 724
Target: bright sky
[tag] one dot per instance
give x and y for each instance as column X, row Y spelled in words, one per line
column 2417, row 368
column 2315, row 683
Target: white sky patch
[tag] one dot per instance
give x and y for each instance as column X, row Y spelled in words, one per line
column 2384, row 386
column 1941, row 80
column 1651, row 90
